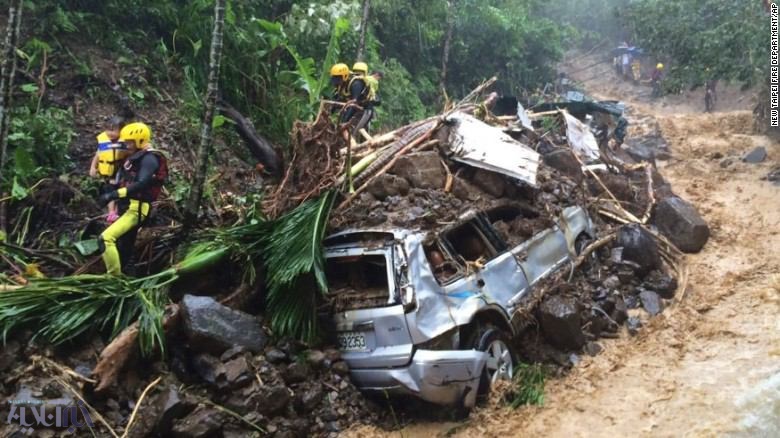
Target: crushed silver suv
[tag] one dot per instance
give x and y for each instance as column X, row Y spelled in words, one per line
column 430, row 312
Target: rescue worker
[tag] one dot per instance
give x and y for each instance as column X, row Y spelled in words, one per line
column 107, row 160
column 140, row 179
column 361, row 94
column 655, row 79
column 339, row 79
column 710, row 96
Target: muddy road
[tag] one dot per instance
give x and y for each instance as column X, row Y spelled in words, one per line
column 710, row 365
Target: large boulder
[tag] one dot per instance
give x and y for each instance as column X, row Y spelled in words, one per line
column 679, row 221
column 489, row 182
column 560, row 320
column 563, row 161
column 639, row 248
column 388, row 185
column 213, row 328
column 422, row 169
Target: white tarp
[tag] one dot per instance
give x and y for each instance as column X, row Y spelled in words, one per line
column 581, row 140
column 475, row 143
column 522, row 117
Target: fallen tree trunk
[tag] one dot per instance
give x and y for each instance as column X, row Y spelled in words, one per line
column 260, row 148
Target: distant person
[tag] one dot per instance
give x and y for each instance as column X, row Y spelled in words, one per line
column 562, row 84
column 108, row 160
column 655, row 80
column 710, row 96
column 625, row 61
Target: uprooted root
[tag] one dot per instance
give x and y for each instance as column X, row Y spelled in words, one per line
column 314, row 167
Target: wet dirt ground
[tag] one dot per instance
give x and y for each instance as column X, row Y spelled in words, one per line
column 710, row 365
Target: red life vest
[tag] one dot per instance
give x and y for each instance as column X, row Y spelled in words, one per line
column 130, row 175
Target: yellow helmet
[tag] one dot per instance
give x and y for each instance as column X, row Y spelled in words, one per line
column 360, row 67
column 340, row 70
column 659, row 66
column 138, row 132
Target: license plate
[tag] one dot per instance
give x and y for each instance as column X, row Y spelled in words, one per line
column 352, row 341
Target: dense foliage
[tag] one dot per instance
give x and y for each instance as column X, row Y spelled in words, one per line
column 276, row 54
column 727, row 37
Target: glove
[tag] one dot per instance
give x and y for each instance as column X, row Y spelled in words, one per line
column 105, row 198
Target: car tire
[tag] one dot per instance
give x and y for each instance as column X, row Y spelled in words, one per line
column 501, row 358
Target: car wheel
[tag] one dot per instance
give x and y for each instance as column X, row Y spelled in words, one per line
column 501, row 360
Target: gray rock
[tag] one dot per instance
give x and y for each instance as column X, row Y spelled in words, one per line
column 563, row 160
column 679, row 221
column 207, row 367
column 203, row 422
column 560, row 320
column 271, row 399
column 315, row 358
column 640, row 152
column 757, row 155
column 423, row 170
column 275, row 356
column 388, row 185
column 465, row 191
column 310, row 398
column 235, row 374
column 491, row 183
column 157, row 417
column 341, row 368
column 634, row 324
column 651, row 302
column 663, row 284
column 619, row 313
column 213, row 328
column 593, row 348
column 612, row 282
column 296, row 372
column 232, row 353
column 639, row 248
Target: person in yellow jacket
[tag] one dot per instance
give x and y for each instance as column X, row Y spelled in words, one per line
column 339, row 79
column 362, row 91
column 107, row 161
column 140, row 181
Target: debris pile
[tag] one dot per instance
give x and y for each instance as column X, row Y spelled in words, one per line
column 225, row 376
column 239, row 379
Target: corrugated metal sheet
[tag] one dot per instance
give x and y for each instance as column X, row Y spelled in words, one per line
column 475, row 143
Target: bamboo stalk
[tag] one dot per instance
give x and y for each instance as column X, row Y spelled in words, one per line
column 387, row 166
column 365, row 134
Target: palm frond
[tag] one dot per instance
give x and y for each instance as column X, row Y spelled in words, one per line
column 293, row 249
column 62, row 309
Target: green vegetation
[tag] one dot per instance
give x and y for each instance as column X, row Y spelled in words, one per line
column 527, row 386
column 691, row 36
